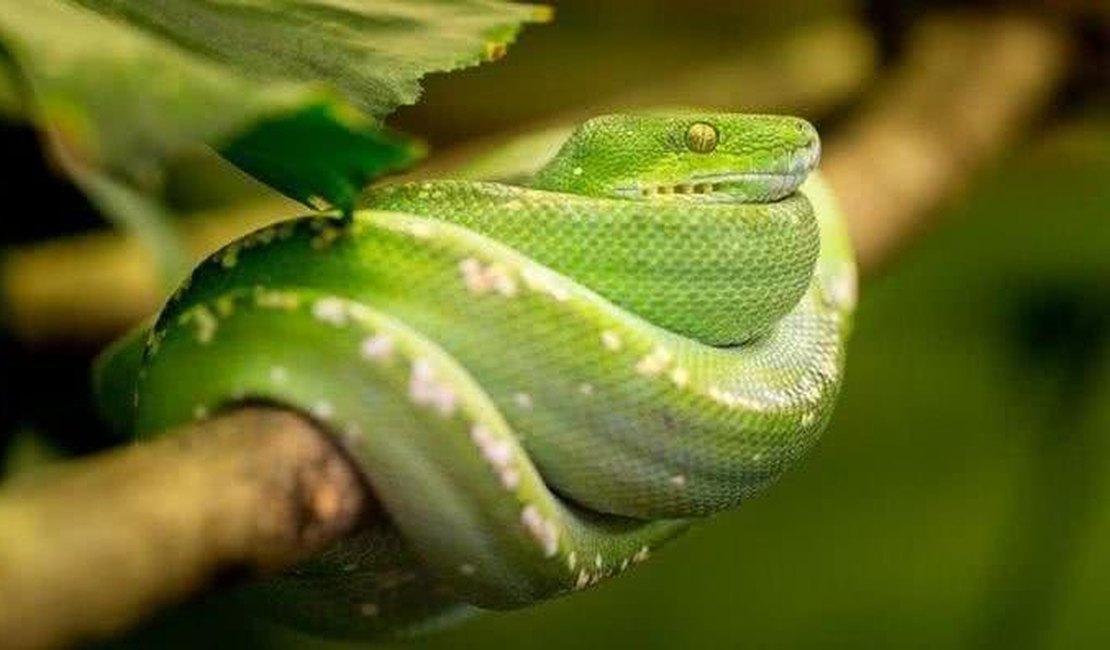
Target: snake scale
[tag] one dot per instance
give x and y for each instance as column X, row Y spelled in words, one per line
column 542, row 381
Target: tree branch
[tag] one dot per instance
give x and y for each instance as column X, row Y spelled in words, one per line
column 92, row 288
column 89, row 548
column 969, row 89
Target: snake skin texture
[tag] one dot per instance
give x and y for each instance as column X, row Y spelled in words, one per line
column 541, row 382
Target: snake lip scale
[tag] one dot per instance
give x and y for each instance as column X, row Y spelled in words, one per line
column 724, row 189
column 542, row 383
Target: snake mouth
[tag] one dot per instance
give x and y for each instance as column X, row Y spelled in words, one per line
column 748, row 187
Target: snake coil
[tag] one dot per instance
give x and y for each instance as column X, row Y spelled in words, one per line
column 541, row 382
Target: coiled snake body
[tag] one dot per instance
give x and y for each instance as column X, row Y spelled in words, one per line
column 543, row 382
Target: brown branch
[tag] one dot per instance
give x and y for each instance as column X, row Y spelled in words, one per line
column 90, row 548
column 968, row 90
column 92, row 288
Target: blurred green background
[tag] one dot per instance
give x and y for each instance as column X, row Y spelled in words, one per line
column 960, row 498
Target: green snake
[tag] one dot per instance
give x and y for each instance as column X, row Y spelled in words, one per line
column 543, row 381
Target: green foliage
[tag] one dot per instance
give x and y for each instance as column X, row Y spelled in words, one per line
column 319, row 156
column 374, row 52
column 291, row 90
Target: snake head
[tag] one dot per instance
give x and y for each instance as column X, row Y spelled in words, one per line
column 704, row 157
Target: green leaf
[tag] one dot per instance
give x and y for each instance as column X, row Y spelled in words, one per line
column 375, row 51
column 291, row 90
column 318, row 157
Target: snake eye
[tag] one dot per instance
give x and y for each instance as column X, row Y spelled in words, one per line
column 701, row 137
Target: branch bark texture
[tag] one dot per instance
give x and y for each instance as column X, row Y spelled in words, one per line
column 970, row 87
column 88, row 549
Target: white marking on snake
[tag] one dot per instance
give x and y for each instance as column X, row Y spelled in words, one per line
column 678, row 480
column 611, row 340
column 473, row 277
column 680, row 376
column 642, row 554
column 572, row 560
column 586, row 389
column 841, row 288
column 734, row 400
column 277, row 299
column 467, row 569
column 425, row 389
column 523, row 400
column 420, row 230
column 323, row 410
column 481, row 435
column 230, row 255
column 330, row 310
column 206, row 323
column 598, row 560
column 542, row 530
column 279, row 375
column 359, row 312
column 378, row 347
column 200, row 411
column 481, row 280
column 510, row 478
column 655, row 362
column 583, row 579
column 538, row 280
column 498, row 453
